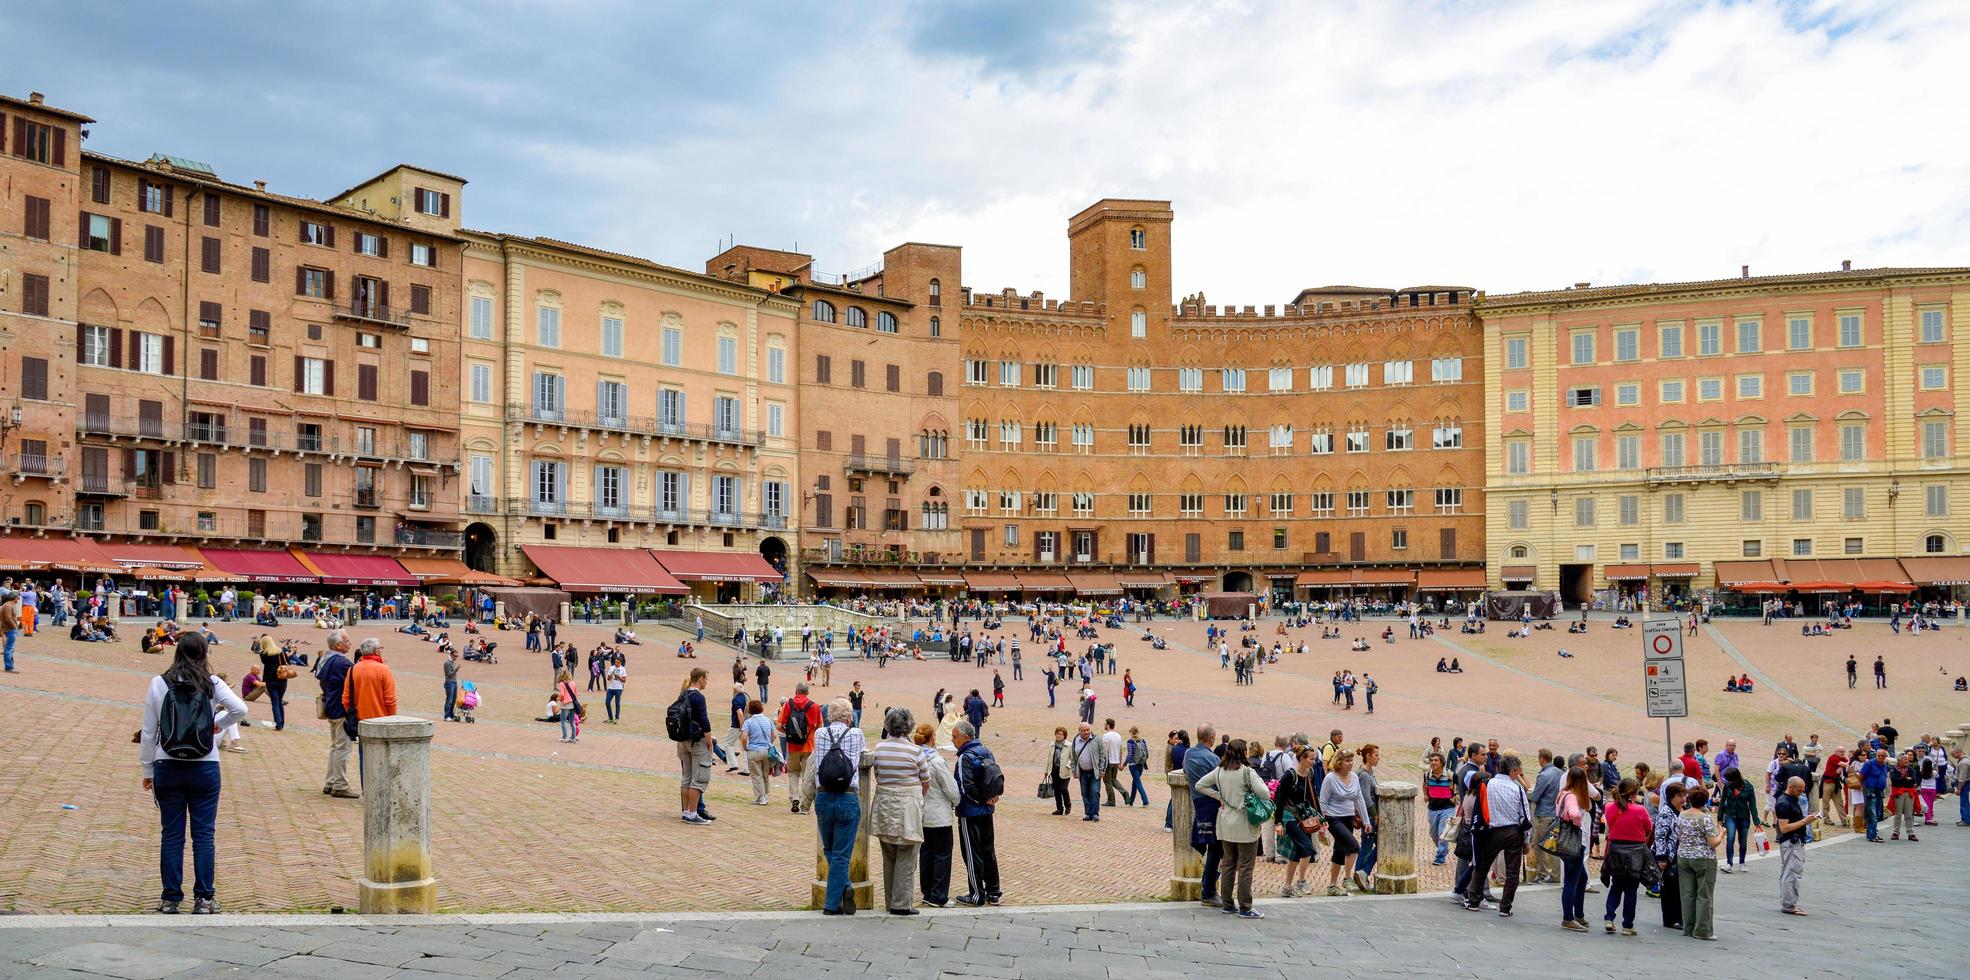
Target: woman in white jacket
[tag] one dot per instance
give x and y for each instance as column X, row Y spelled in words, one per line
column 1230, row 783
column 940, row 803
column 181, row 767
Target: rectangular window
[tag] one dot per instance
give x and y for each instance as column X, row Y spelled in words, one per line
column 1517, row 514
column 481, row 318
column 1583, row 347
column 1853, row 442
column 1448, row 436
column 1009, row 373
column 1627, row 344
column 1852, row 381
column 1935, row 440
column 670, row 408
column 1515, row 352
column 1518, row 457
column 317, row 233
column 1518, row 400
column 1357, row 376
column 423, row 255
column 728, row 355
column 612, row 336
column 479, row 389
column 1627, row 394
column 1850, row 329
column 1672, row 449
column 1321, row 442
column 1853, row 546
column 34, row 295
column 1583, row 397
column 1279, row 379
column 1802, row 547
column 1446, row 369
column 1583, row 512
column 1802, row 505
column 611, row 402
column 150, row 354
column 1709, row 389
column 1751, row 386
column 1710, row 448
column 1190, row 379
column 1933, row 377
column 1629, row 510
column 1935, row 500
column 1628, row 452
column 1709, row 339
column 313, row 282
column 1799, row 383
column 1081, row 376
column 1585, row 450
column 1853, row 504
column 1799, row 441
column 1930, row 326
column 1671, row 344
column 547, row 326
column 1233, row 379
column 1395, row 372
column 725, row 415
column 1320, row 377
column 1321, row 503
column 1631, row 552
column 776, row 365
column 1357, row 440
column 1672, row 508
column 1751, row 548
column 1750, row 336
column 673, row 349
column 1672, row 550
column 857, row 374
column 208, row 471
column 1397, row 439
column 1798, row 333
column 1751, row 505
column 1138, row 379
column 776, row 419
column 368, row 244
column 1357, row 501
column 1750, row 445
column 1449, row 500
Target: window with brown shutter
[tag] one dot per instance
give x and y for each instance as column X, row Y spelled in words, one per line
column 420, row 299
column 35, row 223
column 256, row 432
column 893, row 451
column 935, row 383
column 208, row 364
column 824, row 440
column 208, row 471
column 858, row 445
column 855, row 374
column 1358, row 546
column 211, row 209
column 420, row 387
column 823, row 369
column 34, row 295
column 210, row 316
column 262, row 221
column 256, row 474
column 977, row 544
column 895, row 379
column 259, row 327
column 1323, row 542
column 208, row 255
column 824, row 510
column 1447, row 542
column 34, row 378
column 263, row 265
column 366, row 382
column 257, row 371
column 99, row 185
column 153, row 243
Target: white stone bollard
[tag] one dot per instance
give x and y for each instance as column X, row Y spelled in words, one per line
column 1187, row 866
column 1395, row 837
column 396, row 779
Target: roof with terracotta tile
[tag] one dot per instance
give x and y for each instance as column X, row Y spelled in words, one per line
column 389, row 170
column 306, row 203
column 8, row 100
column 1597, row 294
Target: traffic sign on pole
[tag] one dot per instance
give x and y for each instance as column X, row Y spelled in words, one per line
column 1662, row 639
column 1667, row 689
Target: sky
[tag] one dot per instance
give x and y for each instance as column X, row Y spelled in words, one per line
column 1499, row 144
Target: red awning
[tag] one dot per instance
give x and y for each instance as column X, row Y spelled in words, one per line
column 155, row 555
column 991, row 582
column 1317, row 577
column 57, row 554
column 1045, row 582
column 1095, row 584
column 1627, row 573
column 260, row 565
column 630, row 570
column 1938, row 570
column 717, row 566
column 359, row 569
column 831, row 578
column 433, row 567
column 1730, row 573
column 1516, row 573
column 1385, row 576
column 1450, row 579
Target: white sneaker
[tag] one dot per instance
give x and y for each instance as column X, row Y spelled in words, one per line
column 694, row 818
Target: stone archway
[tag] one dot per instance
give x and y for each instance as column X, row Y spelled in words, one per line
column 1238, row 581
column 482, row 548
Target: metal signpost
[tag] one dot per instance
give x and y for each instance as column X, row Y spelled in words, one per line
column 1667, row 691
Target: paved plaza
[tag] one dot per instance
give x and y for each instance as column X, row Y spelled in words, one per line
column 1891, row 910
column 524, row 823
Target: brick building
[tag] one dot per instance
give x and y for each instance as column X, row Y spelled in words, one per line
column 1669, row 438
column 199, row 360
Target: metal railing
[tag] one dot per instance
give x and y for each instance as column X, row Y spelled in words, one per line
column 880, row 464
column 372, row 313
column 585, row 510
column 22, row 466
column 1712, row 471
column 368, row 497
column 481, row 504
column 428, row 538
column 642, row 425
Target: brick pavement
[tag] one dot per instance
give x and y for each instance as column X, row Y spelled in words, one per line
column 523, row 822
column 1860, row 925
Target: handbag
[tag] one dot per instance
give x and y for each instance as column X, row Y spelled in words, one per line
column 321, row 707
column 1046, row 789
column 1258, row 809
column 1562, row 840
column 285, row 673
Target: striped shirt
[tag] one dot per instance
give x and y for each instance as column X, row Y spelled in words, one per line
column 899, row 762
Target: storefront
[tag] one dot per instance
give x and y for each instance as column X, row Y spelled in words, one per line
column 718, row 576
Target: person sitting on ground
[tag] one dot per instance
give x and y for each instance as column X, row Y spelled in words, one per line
column 1388, row 634
column 626, row 636
column 1576, row 626
column 1442, row 666
column 1962, row 684
column 265, row 617
column 1360, row 644
column 1455, row 667
column 444, row 644
column 1744, row 683
column 211, row 638
column 1622, row 623
column 1565, row 655
column 413, row 629
column 1730, row 683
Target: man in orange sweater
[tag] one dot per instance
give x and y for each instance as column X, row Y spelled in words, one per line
column 370, row 691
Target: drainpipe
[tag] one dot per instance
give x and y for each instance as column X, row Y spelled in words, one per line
column 185, row 343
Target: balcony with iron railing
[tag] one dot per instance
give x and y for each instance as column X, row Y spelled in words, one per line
column 1712, row 473
column 476, row 503
column 584, row 510
column 419, row 537
column 372, row 312
column 641, row 425
column 367, row 497
column 893, row 465
column 25, row 466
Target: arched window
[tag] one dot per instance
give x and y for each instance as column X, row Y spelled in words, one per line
column 1138, row 278
column 886, row 321
column 1138, row 239
column 936, row 293
column 824, row 311
column 1518, row 551
column 936, row 327
column 1933, row 544
column 856, row 317
column 1139, row 323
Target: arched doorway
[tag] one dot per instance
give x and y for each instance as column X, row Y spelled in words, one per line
column 481, row 547
column 1238, row 581
column 774, row 550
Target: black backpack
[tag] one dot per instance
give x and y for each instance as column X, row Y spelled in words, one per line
column 677, row 719
column 184, row 721
column 836, row 774
column 987, row 779
column 797, row 730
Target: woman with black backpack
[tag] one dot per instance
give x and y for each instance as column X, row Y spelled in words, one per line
column 180, row 758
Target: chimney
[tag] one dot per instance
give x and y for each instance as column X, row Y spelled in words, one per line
column 1846, row 265
column 1744, row 272
column 1582, row 285
column 35, row 98
column 260, row 185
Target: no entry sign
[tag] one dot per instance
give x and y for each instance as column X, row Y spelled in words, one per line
column 1662, row 639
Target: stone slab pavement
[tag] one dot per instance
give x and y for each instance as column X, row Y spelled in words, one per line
column 1877, row 911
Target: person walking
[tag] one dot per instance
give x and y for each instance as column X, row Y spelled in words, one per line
column 614, row 676
column 1874, row 787
column 980, row 784
column 1136, row 756
column 975, row 710
column 1737, row 810
column 1232, row 784
column 1112, row 755
column 1344, row 810
column 274, row 674
column 1793, row 817
column 180, row 761
column 762, row 674
column 693, row 741
column 832, row 782
column 940, row 802
column 1298, row 817
column 896, row 810
column 1088, row 762
column 1440, row 802
column 564, row 694
column 331, row 672
column 998, row 689
column 451, row 685
column 1507, row 814
column 1629, row 860
column 1697, row 837
column 1369, row 757
column 1061, row 767
column 799, row 718
column 1573, row 810
column 369, row 691
column 758, row 732
column 1960, row 772
column 1904, row 802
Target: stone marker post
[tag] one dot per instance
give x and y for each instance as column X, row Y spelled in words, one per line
column 1187, row 874
column 396, row 771
column 1395, row 838
column 859, row 886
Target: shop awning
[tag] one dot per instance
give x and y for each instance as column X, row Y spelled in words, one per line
column 356, row 569
column 1385, row 576
column 1516, row 573
column 1045, row 582
column 630, row 570
column 1095, row 583
column 834, row 578
column 1679, row 569
column 260, row 565
column 433, row 567
column 1730, row 573
column 1315, row 577
column 717, row 566
column 1938, row 570
column 1627, row 573
column 991, row 582
column 1880, row 570
column 1450, row 579
column 1143, row 580
column 893, row 580
column 941, row 578
column 155, row 555
column 56, row 554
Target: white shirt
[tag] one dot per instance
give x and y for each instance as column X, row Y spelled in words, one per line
column 1111, row 745
column 616, row 676
column 231, row 711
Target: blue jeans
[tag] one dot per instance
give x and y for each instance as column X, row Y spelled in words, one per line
column 1963, row 803
column 451, row 698
column 10, row 651
column 187, row 792
column 838, row 816
column 1737, row 834
column 1136, row 790
column 12, row 635
column 1438, row 820
column 568, row 722
column 612, row 703
column 1364, row 860
column 1873, row 807
column 1621, row 895
column 277, row 696
column 1090, row 793
column 1573, row 889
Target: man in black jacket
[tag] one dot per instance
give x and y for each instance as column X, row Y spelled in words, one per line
column 332, row 670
